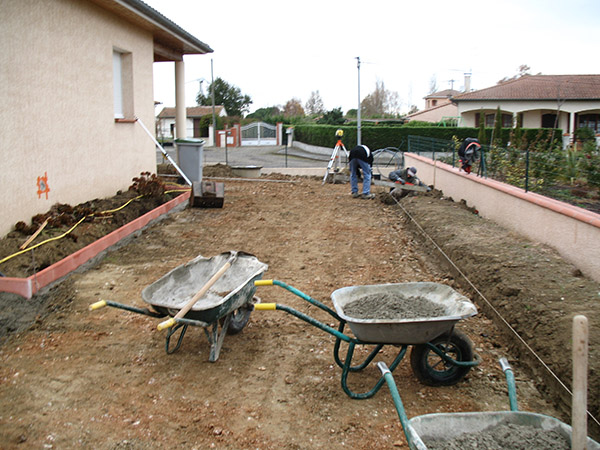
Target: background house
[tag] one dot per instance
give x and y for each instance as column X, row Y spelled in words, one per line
column 75, row 74
column 193, row 126
column 542, row 101
column 438, row 106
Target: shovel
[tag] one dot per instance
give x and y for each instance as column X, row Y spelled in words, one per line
column 186, row 308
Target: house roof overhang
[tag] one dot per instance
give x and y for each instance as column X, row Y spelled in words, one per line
column 171, row 41
column 538, row 88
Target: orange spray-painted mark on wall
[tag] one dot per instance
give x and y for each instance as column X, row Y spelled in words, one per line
column 42, row 183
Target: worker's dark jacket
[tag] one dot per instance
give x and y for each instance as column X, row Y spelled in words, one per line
column 362, row 152
column 462, row 151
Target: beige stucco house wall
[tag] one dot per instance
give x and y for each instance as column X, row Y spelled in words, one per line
column 435, row 114
column 59, row 105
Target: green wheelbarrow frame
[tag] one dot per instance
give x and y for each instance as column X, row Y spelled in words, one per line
column 346, row 363
column 218, row 314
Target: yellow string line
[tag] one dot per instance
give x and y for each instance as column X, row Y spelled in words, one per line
column 43, row 242
column 55, row 238
column 119, row 208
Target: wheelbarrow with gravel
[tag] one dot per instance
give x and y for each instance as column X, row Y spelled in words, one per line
column 512, row 429
column 420, row 314
column 215, row 294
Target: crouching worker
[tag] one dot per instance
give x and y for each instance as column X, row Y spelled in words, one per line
column 468, row 153
column 407, row 178
column 403, row 176
column 361, row 158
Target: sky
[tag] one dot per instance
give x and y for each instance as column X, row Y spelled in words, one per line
column 275, row 51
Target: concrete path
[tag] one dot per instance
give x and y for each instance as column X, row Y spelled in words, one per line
column 279, row 159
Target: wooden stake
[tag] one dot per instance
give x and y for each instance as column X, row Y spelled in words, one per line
column 34, row 235
column 580, row 368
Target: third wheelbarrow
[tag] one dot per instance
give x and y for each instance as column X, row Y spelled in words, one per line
column 482, row 430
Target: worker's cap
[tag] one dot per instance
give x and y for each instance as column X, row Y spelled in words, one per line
column 412, row 171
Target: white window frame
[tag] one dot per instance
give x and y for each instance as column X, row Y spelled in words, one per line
column 118, row 84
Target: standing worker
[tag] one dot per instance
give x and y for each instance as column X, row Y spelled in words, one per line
column 361, row 157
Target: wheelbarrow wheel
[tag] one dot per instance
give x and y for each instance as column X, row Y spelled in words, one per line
column 432, row 370
column 239, row 319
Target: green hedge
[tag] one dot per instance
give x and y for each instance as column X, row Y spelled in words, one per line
column 395, row 136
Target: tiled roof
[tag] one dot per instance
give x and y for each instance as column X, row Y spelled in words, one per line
column 192, row 111
column 540, row 87
column 433, row 108
column 443, row 94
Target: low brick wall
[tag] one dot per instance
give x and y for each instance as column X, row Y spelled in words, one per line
column 572, row 231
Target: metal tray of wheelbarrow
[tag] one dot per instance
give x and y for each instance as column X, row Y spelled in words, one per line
column 408, row 331
column 448, row 426
column 234, row 289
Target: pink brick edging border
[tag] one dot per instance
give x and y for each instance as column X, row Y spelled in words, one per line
column 27, row 287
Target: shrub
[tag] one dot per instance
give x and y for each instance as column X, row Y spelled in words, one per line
column 148, row 184
column 585, row 134
column 589, row 163
column 382, row 136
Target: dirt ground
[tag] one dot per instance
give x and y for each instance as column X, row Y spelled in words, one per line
column 72, row 378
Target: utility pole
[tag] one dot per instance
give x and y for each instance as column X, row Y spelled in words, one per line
column 212, row 88
column 358, row 138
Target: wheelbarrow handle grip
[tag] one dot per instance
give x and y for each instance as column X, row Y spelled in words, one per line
column 263, row 283
column 265, row 306
column 167, row 324
column 97, row 305
column 383, row 368
column 504, row 365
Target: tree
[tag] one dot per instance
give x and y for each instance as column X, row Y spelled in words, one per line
column 271, row 114
column 523, row 70
column 433, row 84
column 314, row 105
column 230, row 96
column 497, row 139
column 293, row 108
column 518, row 132
column 481, row 136
column 380, row 102
column 333, row 117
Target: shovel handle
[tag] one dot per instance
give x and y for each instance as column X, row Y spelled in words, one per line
column 166, row 324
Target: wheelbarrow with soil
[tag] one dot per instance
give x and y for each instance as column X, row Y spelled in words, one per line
column 512, row 429
column 421, row 314
column 215, row 294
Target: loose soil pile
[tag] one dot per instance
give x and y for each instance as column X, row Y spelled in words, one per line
column 80, row 225
column 393, row 307
column 70, row 377
column 505, row 437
